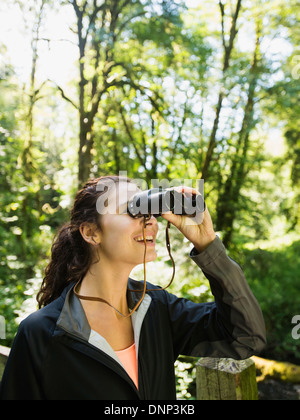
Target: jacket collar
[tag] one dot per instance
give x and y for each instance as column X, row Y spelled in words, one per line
column 73, row 320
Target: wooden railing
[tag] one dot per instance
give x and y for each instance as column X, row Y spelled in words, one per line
column 216, row 379
column 226, row 379
column 4, row 352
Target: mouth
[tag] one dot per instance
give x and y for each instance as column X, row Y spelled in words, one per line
column 150, row 239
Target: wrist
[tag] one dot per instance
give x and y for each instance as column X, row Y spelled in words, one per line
column 201, row 246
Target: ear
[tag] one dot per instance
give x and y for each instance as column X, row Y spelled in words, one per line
column 90, row 233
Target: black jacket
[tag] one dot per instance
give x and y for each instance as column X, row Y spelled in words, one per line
column 55, row 354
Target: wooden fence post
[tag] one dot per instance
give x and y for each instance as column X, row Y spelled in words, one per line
column 4, row 353
column 226, row 379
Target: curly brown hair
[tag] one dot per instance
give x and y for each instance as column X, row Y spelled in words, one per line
column 71, row 256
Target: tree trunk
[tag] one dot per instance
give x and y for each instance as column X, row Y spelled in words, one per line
column 228, row 202
column 212, row 140
column 29, row 167
column 98, row 27
column 283, row 371
column 227, row 54
column 84, row 156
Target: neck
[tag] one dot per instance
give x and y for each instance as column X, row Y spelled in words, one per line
column 109, row 282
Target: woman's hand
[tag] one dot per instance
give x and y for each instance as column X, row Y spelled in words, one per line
column 199, row 230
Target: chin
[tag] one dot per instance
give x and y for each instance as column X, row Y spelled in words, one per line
column 151, row 256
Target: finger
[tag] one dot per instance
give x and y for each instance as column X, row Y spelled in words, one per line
column 175, row 219
column 184, row 189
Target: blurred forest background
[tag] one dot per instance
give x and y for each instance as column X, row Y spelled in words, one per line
column 161, row 89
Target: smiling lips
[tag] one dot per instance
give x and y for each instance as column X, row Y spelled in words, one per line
column 149, row 238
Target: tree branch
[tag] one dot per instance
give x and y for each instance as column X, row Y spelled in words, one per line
column 64, row 95
column 142, row 161
column 124, row 24
column 93, row 15
column 222, row 20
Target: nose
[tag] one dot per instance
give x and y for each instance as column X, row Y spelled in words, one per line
column 152, row 221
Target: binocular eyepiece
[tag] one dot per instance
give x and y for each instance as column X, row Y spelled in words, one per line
column 157, row 201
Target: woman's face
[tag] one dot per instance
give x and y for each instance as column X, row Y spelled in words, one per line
column 121, row 235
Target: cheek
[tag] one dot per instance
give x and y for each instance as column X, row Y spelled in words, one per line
column 117, row 234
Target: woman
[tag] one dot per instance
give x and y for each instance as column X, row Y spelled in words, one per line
column 94, row 339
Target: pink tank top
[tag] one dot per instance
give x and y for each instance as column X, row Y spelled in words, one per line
column 128, row 359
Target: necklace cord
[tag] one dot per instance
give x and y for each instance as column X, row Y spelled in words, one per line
column 97, row 299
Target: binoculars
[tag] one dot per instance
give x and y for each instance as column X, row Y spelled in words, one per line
column 157, row 201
